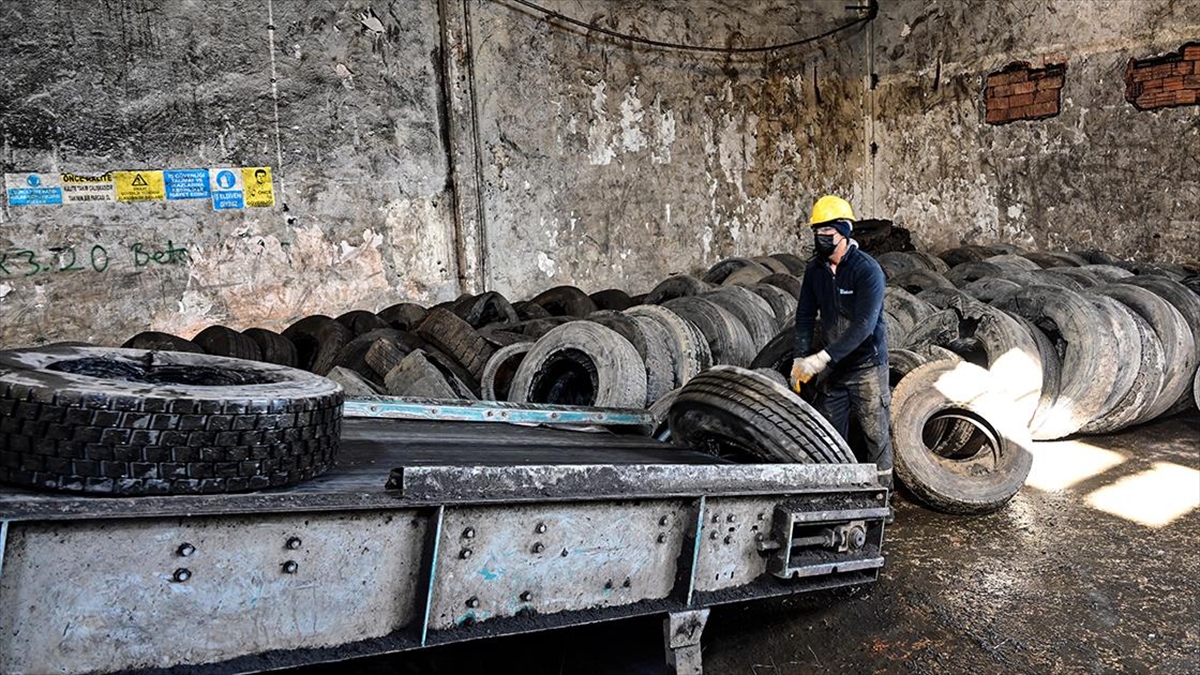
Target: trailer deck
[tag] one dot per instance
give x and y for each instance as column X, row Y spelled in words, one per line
column 428, row 532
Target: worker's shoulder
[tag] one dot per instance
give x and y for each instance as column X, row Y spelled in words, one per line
column 863, row 263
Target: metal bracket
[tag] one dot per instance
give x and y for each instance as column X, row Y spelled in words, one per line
column 681, row 637
column 802, row 542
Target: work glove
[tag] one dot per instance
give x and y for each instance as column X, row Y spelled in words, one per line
column 809, row 367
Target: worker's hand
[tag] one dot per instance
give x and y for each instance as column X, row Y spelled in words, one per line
column 809, row 367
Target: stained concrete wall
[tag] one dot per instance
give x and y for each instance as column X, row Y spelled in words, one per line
column 421, row 147
column 1100, row 175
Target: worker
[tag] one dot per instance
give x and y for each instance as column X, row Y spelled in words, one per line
column 844, row 287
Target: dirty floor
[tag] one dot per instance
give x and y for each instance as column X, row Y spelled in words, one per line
column 1093, row 568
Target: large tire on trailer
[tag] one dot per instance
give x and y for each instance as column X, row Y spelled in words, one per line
column 979, row 475
column 444, row 330
column 163, row 342
column 581, row 363
column 1174, row 335
column 318, row 340
column 688, row 351
column 402, row 316
column 273, row 347
column 135, row 422
column 565, row 301
column 500, row 369
column 224, row 341
column 734, row 412
column 676, row 286
column 1086, row 347
column 728, row 340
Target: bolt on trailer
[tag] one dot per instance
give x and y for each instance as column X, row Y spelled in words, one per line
column 435, row 527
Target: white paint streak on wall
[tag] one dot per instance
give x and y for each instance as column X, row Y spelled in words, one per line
column 546, row 264
column 632, row 138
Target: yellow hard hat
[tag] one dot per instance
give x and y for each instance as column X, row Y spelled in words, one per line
column 830, row 208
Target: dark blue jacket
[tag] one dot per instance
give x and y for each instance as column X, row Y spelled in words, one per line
column 851, row 309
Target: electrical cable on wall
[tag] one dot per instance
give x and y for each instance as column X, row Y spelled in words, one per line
column 871, row 7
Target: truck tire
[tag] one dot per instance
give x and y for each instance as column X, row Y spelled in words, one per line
column 728, row 339
column 402, row 316
column 719, row 272
column 164, row 342
column 500, row 369
column 273, row 347
column 450, row 334
column 318, row 340
column 486, row 308
column 1139, row 373
column 794, row 263
column 738, row 413
column 565, row 301
column 224, row 341
column 978, row 476
column 915, row 281
column 752, row 311
column 612, row 298
column 1188, row 304
column 676, row 286
column 135, row 422
column 360, row 321
column 687, row 349
column 581, row 363
column 783, row 306
column 789, row 283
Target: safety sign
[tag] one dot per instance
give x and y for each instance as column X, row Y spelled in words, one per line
column 79, row 188
column 139, row 186
column 186, row 184
column 33, row 189
column 227, row 189
column 259, row 190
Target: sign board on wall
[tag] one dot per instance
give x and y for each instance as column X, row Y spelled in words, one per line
column 78, row 188
column 186, row 184
column 33, row 189
column 139, row 186
column 259, row 190
column 227, row 190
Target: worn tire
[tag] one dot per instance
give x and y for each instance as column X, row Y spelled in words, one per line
column 420, row 376
column 789, row 283
column 1188, row 304
column 1140, row 372
column 783, row 305
column 164, row 342
column 1174, row 335
column 733, row 411
column 728, row 340
column 1083, row 338
column 624, row 325
column 500, row 369
column 965, row 273
column 988, row 289
column 485, row 308
column 565, row 301
column 794, row 263
column 676, row 286
column 450, row 334
column 135, row 422
column 612, row 298
column 978, row 476
column 224, row 341
column 581, row 363
column 718, row 273
column 915, row 281
column 402, row 316
column 360, row 321
column 688, row 351
column 752, row 311
column 318, row 340
column 273, row 347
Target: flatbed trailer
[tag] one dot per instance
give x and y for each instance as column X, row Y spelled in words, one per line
column 434, row 528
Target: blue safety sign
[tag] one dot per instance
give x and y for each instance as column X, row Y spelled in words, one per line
column 32, row 189
column 228, row 191
column 186, row 183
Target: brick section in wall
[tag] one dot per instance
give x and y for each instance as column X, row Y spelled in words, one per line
column 1164, row 81
column 1019, row 92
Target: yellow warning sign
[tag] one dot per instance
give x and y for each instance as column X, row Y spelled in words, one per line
column 257, row 182
column 139, row 186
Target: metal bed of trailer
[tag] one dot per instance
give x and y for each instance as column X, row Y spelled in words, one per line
column 438, row 525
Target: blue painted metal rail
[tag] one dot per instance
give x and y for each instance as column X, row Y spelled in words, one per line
column 395, row 407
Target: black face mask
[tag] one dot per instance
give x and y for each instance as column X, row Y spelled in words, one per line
column 823, row 243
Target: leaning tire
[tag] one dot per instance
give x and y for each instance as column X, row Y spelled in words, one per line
column 273, row 347
column 728, row 339
column 165, row 342
column 225, row 341
column 444, row 330
column 978, row 476
column 729, row 411
column 581, row 363
column 135, row 422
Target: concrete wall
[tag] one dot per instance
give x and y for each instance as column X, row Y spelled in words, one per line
column 420, row 147
column 1100, row 175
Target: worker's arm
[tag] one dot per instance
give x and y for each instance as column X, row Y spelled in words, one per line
column 806, row 317
column 868, row 292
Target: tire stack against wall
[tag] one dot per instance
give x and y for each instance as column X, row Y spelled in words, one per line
column 1055, row 343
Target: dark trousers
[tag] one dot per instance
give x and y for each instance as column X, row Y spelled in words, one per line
column 864, row 393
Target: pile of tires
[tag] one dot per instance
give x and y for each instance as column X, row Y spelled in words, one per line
column 562, row 346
